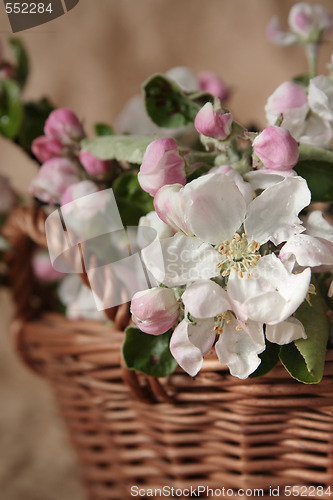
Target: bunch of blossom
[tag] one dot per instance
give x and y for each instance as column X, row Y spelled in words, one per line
column 238, row 247
column 238, row 266
column 244, row 246
column 64, row 162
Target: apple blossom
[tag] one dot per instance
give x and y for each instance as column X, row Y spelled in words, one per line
column 63, row 125
column 94, row 166
column 210, row 83
column 45, row 148
column 161, row 165
column 53, row 178
column 212, row 123
column 43, row 268
column 155, row 310
column 304, row 117
column 212, row 209
column 310, row 22
column 239, row 342
column 78, row 299
column 276, row 148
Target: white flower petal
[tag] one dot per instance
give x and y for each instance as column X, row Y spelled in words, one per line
column 244, row 187
column 238, row 351
column 316, row 132
column 308, row 250
column 181, row 259
column 184, row 78
column 215, row 208
column 285, row 332
column 202, row 335
column 321, row 97
column 187, row 355
column 271, row 295
column 273, row 214
column 263, row 179
column 316, row 225
column 205, row 299
column 152, row 220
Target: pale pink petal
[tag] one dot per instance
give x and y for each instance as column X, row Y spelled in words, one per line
column 238, row 350
column 316, row 225
column 188, row 356
column 273, row 214
column 208, row 201
column 271, row 294
column 308, row 250
column 205, row 299
column 181, row 259
column 276, row 35
column 285, row 332
column 263, row 179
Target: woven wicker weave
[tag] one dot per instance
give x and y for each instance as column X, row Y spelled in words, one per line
column 215, row 431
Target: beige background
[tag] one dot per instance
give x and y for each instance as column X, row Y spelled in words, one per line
column 92, row 60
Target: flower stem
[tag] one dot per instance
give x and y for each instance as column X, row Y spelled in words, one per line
column 311, row 50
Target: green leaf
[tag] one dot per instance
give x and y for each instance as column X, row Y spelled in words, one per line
column 305, row 358
column 34, row 117
column 132, row 201
column 319, row 176
column 129, row 148
column 149, row 354
column 10, row 108
column 168, row 106
column 303, row 80
column 102, row 129
column 316, row 166
column 269, row 359
column 22, row 61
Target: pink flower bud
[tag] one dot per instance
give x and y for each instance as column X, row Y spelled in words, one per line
column 8, row 197
column 310, row 21
column 276, row 148
column 53, row 178
column 42, row 267
column 77, row 190
column 155, row 311
column 45, row 148
column 63, row 125
column 209, row 82
column 213, row 124
column 162, row 165
column 94, row 166
column 7, row 71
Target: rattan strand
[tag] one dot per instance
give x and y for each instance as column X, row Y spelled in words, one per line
column 128, row 429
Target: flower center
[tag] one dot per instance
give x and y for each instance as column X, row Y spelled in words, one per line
column 238, row 254
column 220, row 320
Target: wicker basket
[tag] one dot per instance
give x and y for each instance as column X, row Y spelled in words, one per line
column 131, row 431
